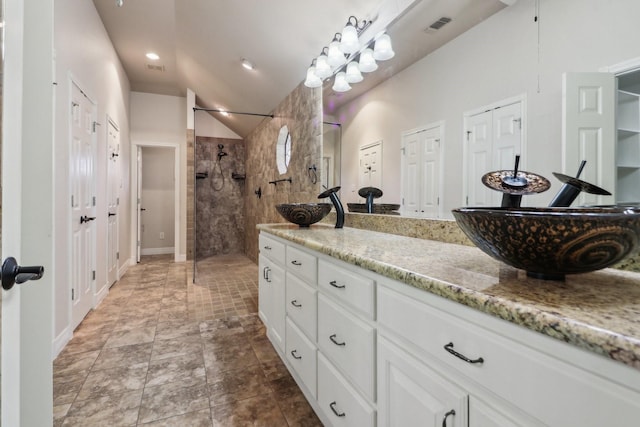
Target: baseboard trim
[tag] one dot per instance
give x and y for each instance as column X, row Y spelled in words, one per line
column 123, row 269
column 157, row 251
column 61, row 341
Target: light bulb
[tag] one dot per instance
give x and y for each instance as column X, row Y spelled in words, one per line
column 335, row 57
column 312, row 79
column 349, row 39
column 382, row 49
column 367, row 62
column 340, row 84
column 353, row 74
column 323, row 69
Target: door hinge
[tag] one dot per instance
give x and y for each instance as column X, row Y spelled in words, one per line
column 94, row 126
column 117, row 201
column 467, row 201
column 93, row 200
column 438, row 201
column 93, row 275
column 117, row 255
column 468, row 134
column 519, row 121
column 72, row 200
column 73, row 294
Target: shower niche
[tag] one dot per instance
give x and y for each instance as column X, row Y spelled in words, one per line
column 219, row 191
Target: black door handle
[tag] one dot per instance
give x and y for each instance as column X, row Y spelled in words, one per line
column 12, row 273
column 142, row 209
column 112, row 214
column 85, row 218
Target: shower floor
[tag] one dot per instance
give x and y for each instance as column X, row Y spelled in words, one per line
column 226, row 285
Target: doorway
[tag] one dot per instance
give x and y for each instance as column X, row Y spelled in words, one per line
column 371, row 165
column 158, row 192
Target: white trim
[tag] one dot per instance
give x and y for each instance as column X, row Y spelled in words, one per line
column 158, row 251
column 124, row 267
column 623, row 67
column 61, row 341
column 111, row 121
column 522, row 99
column 176, row 191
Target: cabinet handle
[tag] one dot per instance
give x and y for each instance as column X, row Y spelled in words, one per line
column 449, row 348
column 295, row 356
column 335, row 284
column 295, row 303
column 333, row 340
column 332, row 405
column 267, row 248
column 264, row 272
column 444, row 420
column 296, row 262
column 268, row 277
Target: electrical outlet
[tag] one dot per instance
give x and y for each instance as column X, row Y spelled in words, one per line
column 162, row 235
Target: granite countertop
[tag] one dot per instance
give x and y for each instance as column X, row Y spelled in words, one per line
column 597, row 311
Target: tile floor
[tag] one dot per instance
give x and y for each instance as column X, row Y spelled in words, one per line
column 161, row 351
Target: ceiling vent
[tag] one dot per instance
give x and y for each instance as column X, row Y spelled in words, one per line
column 437, row 25
column 155, row 67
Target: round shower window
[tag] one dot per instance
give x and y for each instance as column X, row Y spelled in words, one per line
column 283, row 150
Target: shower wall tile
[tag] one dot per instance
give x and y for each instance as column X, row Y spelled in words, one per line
column 301, row 112
column 219, row 198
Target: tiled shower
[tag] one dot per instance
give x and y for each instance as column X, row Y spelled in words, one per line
column 219, row 194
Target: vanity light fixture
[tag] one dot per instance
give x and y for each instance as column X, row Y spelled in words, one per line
column 152, row 56
column 347, row 57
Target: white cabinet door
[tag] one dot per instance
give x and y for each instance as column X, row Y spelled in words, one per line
column 410, row 393
column 271, row 294
column 588, row 121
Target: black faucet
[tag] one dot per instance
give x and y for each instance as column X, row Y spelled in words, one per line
column 332, row 194
column 370, row 193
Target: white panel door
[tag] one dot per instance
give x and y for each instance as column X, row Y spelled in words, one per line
column 411, row 173
column 82, row 176
column 507, row 134
column 480, row 159
column 588, row 101
column 430, row 177
column 411, row 394
column 28, row 205
column 371, row 166
column 113, row 198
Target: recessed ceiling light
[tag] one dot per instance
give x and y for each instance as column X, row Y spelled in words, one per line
column 247, row 64
column 153, row 56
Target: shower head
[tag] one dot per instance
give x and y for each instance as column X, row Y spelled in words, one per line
column 220, row 146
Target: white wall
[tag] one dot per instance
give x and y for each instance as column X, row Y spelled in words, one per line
column 206, row 125
column 159, row 120
column 83, row 50
column 498, row 59
column 158, row 199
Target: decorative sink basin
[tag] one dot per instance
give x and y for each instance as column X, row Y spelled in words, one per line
column 304, row 214
column 551, row 242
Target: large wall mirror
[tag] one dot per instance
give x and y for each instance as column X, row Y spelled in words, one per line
column 331, row 150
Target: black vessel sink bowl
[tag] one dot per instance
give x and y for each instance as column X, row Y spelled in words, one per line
column 304, row 214
column 551, row 242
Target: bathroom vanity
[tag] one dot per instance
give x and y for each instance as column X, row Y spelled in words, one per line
column 385, row 330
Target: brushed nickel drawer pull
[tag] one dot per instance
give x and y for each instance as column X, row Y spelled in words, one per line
column 295, row 356
column 444, row 420
column 333, row 340
column 295, row 303
column 449, row 348
column 296, row 262
column 335, row 284
column 332, row 405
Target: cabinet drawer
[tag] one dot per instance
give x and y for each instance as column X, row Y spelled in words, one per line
column 354, row 290
column 302, row 305
column 271, row 248
column 515, row 372
column 302, row 356
column 349, row 343
column 303, row 264
column 339, row 401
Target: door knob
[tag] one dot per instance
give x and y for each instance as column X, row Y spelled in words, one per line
column 112, row 214
column 12, row 273
column 142, row 209
column 85, row 218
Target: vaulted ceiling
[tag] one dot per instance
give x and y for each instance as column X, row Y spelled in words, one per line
column 201, row 44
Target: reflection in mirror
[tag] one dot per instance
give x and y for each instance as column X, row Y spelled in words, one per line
column 330, row 168
column 283, row 150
